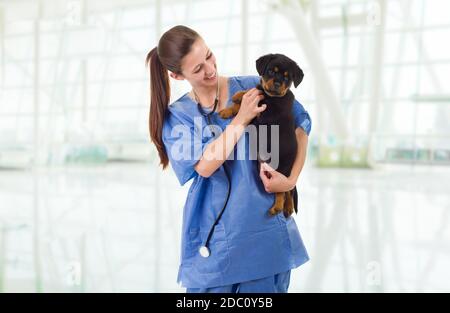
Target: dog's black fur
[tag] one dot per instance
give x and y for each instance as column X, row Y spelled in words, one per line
column 279, row 109
column 279, row 106
column 277, row 73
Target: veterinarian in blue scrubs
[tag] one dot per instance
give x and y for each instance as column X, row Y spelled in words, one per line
column 247, row 244
column 250, row 251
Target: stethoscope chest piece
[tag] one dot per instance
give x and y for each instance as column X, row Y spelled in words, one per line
column 204, row 251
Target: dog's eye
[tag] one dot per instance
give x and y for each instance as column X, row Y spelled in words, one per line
column 286, row 79
column 270, row 72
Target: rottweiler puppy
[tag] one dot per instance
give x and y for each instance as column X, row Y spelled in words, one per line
column 277, row 73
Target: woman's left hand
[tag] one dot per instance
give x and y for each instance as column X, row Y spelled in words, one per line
column 274, row 181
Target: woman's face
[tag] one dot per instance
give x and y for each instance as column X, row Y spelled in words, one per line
column 199, row 66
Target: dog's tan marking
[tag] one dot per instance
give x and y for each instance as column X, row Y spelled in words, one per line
column 278, row 205
column 288, row 207
column 233, row 109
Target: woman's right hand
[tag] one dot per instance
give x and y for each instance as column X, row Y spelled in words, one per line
column 249, row 105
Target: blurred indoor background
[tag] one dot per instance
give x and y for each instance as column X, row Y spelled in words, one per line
column 84, row 206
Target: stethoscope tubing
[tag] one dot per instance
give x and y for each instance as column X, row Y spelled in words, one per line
column 204, row 249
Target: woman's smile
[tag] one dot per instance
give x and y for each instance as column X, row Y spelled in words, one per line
column 212, row 77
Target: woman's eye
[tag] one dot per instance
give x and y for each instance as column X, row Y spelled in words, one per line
column 208, row 57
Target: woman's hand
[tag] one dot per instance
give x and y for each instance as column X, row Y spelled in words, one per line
column 274, row 181
column 249, row 105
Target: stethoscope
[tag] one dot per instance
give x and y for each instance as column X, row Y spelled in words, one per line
column 204, row 249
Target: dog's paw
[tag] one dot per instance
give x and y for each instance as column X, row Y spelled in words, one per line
column 288, row 212
column 274, row 211
column 226, row 113
column 278, row 204
column 230, row 111
column 288, row 208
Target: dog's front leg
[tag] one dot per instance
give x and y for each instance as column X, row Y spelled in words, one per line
column 233, row 109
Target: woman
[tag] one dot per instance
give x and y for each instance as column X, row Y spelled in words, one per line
column 248, row 250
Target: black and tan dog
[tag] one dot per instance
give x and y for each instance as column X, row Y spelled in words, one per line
column 277, row 73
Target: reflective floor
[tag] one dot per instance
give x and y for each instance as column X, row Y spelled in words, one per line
column 116, row 228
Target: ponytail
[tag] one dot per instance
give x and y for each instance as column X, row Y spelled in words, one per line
column 159, row 101
column 172, row 47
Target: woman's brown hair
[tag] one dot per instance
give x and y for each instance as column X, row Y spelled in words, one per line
column 172, row 47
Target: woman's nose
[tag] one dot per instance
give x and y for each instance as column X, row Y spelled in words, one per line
column 210, row 69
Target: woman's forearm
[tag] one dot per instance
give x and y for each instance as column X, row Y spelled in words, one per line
column 218, row 150
column 302, row 145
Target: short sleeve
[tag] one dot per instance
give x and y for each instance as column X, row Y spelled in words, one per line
column 251, row 81
column 301, row 116
column 184, row 142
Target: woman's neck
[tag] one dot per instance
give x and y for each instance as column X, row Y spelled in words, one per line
column 208, row 95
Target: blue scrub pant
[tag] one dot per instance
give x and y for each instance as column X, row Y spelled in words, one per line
column 278, row 283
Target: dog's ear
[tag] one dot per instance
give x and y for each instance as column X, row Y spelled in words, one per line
column 262, row 62
column 297, row 76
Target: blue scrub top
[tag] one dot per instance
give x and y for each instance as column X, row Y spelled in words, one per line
column 247, row 242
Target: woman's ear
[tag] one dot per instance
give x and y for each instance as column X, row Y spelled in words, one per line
column 176, row 76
